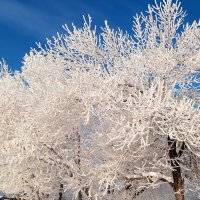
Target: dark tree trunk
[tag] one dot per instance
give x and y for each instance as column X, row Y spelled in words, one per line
column 178, row 184
column 78, row 159
column 80, row 197
column 178, row 181
column 61, row 192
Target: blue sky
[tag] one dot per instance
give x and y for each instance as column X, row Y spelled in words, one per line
column 24, row 22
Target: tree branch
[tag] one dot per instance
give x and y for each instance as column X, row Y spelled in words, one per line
column 180, row 153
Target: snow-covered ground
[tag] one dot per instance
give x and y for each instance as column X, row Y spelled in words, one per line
column 164, row 192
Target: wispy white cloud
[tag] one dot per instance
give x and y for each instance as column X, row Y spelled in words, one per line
column 26, row 18
column 31, row 19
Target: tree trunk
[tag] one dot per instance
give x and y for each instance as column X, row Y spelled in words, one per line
column 78, row 159
column 178, row 181
column 80, row 196
column 61, row 192
column 178, row 184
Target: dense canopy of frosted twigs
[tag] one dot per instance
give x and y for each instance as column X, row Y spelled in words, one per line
column 92, row 113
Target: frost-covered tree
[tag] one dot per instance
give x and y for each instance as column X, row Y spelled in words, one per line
column 104, row 116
